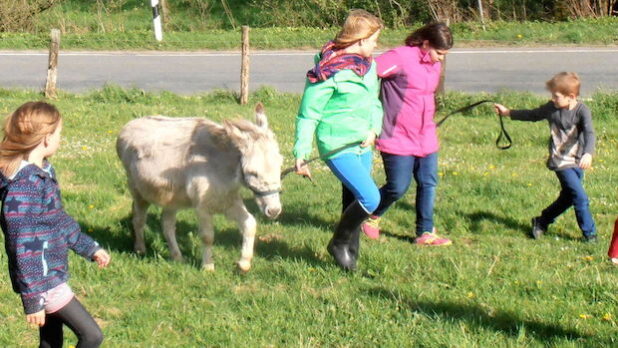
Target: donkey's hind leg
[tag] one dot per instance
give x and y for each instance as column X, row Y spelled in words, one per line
column 207, row 234
column 168, row 224
column 140, row 207
column 247, row 225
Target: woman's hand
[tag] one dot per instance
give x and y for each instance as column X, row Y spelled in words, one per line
column 586, row 161
column 302, row 168
column 371, row 139
column 102, row 258
column 37, row 318
column 502, row 110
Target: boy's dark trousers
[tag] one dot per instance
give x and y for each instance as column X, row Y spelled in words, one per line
column 75, row 316
column 571, row 194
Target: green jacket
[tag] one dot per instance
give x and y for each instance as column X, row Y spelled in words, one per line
column 338, row 111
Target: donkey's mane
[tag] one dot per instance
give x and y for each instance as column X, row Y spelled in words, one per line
column 220, row 134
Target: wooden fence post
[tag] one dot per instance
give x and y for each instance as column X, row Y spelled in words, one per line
column 52, row 66
column 244, row 68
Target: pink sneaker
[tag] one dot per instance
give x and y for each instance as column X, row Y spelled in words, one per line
column 431, row 238
column 371, row 227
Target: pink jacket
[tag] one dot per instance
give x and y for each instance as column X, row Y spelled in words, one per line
column 409, row 80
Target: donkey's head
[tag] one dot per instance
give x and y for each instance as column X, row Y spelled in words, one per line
column 260, row 160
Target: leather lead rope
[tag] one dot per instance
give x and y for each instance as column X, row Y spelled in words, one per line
column 503, row 135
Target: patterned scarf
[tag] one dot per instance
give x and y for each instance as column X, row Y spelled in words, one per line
column 333, row 61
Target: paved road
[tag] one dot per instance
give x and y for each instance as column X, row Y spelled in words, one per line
column 470, row 70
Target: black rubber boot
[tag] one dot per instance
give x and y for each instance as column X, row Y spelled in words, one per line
column 346, row 235
column 355, row 243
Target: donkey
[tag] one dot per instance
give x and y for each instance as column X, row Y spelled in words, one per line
column 179, row 163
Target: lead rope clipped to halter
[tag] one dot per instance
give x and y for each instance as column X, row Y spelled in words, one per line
column 503, row 134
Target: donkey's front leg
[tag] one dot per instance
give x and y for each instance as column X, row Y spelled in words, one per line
column 247, row 225
column 207, row 234
column 168, row 224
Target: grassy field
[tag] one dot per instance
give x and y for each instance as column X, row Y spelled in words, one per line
column 494, row 287
column 84, row 26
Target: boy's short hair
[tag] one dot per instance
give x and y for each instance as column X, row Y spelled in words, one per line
column 565, row 83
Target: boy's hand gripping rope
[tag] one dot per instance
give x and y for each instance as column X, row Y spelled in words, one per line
column 503, row 134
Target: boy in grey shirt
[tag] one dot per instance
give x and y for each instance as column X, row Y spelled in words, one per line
column 571, row 146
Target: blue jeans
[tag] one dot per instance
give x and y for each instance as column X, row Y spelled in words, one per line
column 354, row 172
column 399, row 172
column 571, row 194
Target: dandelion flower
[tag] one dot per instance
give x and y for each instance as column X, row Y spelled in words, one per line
column 471, row 295
column 91, row 206
column 585, row 316
column 607, row 317
column 588, row 258
column 519, row 36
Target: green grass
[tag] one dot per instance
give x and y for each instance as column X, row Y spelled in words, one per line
column 130, row 27
column 493, row 287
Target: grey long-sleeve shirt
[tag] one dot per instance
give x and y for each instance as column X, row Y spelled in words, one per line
column 571, row 132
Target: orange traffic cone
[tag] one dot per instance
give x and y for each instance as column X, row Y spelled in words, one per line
column 613, row 246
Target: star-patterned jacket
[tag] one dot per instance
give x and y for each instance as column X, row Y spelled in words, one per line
column 38, row 233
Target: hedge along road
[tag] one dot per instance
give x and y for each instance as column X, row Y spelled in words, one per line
column 467, row 70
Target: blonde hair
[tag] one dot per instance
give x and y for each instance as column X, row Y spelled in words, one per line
column 565, row 82
column 358, row 25
column 23, row 132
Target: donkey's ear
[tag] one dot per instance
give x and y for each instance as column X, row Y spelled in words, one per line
column 260, row 116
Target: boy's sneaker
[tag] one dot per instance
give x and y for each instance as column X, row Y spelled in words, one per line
column 537, row 229
column 431, row 238
column 590, row 239
column 371, row 227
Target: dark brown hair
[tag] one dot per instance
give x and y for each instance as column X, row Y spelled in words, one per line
column 437, row 33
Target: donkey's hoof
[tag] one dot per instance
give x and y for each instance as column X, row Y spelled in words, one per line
column 139, row 250
column 244, row 265
column 177, row 258
column 208, row 267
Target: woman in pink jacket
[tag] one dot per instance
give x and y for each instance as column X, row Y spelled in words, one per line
column 408, row 142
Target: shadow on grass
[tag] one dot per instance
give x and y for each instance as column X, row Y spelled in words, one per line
column 511, row 223
column 291, row 215
column 228, row 238
column 409, row 238
column 477, row 316
column 477, row 217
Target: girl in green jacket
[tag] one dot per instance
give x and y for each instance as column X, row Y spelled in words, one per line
column 340, row 106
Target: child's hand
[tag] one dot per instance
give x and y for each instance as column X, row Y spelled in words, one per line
column 586, row 161
column 502, row 110
column 102, row 258
column 37, row 318
column 302, row 168
column 371, row 139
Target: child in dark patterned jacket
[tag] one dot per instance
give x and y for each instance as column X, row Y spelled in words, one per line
column 37, row 230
